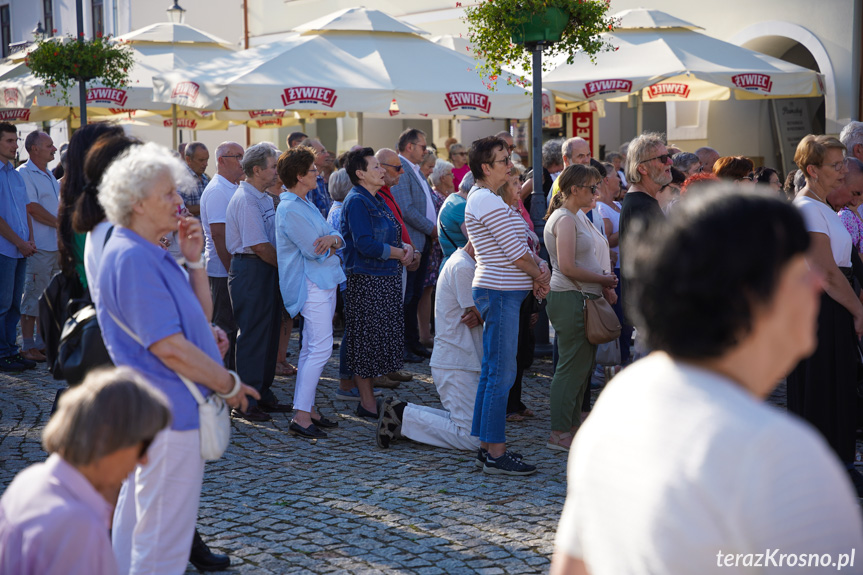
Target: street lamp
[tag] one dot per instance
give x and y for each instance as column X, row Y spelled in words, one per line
column 38, row 32
column 176, row 13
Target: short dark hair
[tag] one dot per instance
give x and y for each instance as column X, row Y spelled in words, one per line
column 599, row 167
column 7, row 127
column 762, row 174
column 88, row 211
column 193, row 147
column 295, row 163
column 294, row 137
column 677, row 177
column 356, row 160
column 482, row 152
column 409, row 136
column 31, row 140
column 694, row 297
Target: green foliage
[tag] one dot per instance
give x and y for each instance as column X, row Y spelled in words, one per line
column 61, row 63
column 491, row 24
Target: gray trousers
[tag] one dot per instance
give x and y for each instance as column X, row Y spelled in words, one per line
column 254, row 288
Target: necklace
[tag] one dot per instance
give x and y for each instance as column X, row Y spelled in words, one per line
column 809, row 190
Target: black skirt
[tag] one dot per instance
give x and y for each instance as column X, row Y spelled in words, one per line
column 375, row 321
column 822, row 389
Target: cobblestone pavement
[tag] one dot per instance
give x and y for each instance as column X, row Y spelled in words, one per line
column 280, row 504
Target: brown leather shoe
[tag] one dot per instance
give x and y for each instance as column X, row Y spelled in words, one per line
column 253, row 414
column 33, row 355
column 400, row 375
column 385, row 382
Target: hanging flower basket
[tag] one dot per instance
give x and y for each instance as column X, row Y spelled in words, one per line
column 61, row 63
column 504, row 32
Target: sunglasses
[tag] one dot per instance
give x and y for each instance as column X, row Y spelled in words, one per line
column 591, row 188
column 396, row 167
column 664, row 158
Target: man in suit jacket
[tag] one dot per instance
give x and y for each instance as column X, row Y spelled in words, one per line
column 414, row 198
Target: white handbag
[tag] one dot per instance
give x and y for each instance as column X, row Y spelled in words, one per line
column 213, row 415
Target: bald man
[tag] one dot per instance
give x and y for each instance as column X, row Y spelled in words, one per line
column 707, row 157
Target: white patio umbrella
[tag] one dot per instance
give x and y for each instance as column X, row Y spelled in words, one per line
column 354, row 60
column 661, row 58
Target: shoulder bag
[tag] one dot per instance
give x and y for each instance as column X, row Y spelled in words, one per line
column 214, row 420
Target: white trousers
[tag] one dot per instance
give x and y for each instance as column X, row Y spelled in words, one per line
column 449, row 427
column 317, row 348
column 158, row 506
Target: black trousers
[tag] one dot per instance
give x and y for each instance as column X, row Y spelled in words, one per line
column 822, row 389
column 254, row 288
column 524, row 353
column 413, row 293
column 223, row 316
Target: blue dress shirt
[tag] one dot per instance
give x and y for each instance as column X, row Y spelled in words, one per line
column 13, row 208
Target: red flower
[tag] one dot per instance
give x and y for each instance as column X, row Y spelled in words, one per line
column 81, row 34
column 458, row 4
column 54, row 31
column 98, row 34
column 56, row 53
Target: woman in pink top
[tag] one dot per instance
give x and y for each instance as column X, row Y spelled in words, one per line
column 55, row 516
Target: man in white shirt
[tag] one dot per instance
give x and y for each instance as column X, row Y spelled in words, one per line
column 456, row 363
column 43, row 193
column 214, row 206
column 413, row 196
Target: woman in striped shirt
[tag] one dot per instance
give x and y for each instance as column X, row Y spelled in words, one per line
column 506, row 270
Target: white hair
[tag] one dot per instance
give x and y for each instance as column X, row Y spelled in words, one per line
column 467, row 183
column 440, row 168
column 639, row 150
column 129, row 179
column 258, row 155
column 851, row 135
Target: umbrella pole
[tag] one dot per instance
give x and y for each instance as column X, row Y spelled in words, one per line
column 174, row 125
column 82, row 84
column 360, row 128
column 639, row 115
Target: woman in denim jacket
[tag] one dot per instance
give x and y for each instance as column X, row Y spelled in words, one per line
column 374, row 254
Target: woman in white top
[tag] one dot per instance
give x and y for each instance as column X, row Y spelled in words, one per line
column 580, row 269
column 822, row 388
column 506, row 270
column 724, row 481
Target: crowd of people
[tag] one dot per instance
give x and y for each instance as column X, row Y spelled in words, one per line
column 197, row 283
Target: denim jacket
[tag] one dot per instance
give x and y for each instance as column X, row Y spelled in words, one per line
column 369, row 231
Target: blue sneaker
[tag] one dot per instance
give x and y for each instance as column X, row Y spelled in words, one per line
column 506, row 464
column 482, row 455
column 354, row 394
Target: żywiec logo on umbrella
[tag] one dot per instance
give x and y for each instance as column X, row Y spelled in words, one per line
column 11, row 96
column 668, row 89
column 107, row 96
column 309, row 95
column 753, row 82
column 187, row 123
column 254, row 114
column 607, row 87
column 15, row 115
column 185, row 93
column 269, row 123
column 467, row 100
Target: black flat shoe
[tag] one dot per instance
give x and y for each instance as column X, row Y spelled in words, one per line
column 204, row 559
column 310, row 432
column 325, row 423
column 276, row 407
column 363, row 412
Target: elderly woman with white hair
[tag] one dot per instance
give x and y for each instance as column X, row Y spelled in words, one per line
column 155, row 318
column 55, row 515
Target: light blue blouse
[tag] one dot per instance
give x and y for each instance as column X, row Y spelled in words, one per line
column 298, row 224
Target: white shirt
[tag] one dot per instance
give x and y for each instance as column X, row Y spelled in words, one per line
column 607, row 213
column 717, row 471
column 42, row 189
column 819, row 217
column 214, row 208
column 456, row 346
column 431, row 215
column 93, row 248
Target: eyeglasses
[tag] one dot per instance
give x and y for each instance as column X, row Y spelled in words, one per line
column 511, row 148
column 664, row 158
column 145, row 445
column 505, row 160
column 836, row 166
column 396, row 167
column 460, row 154
column 234, row 156
column 312, row 169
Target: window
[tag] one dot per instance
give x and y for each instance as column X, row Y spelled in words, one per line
column 5, row 29
column 98, row 17
column 48, row 18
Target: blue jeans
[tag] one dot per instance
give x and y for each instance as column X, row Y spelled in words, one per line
column 499, row 311
column 13, row 272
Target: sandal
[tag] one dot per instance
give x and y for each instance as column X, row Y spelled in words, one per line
column 514, row 417
column 559, row 441
column 285, row 369
column 526, row 412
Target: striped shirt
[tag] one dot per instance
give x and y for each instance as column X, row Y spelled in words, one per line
column 499, row 237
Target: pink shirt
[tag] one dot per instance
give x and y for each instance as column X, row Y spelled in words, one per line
column 53, row 521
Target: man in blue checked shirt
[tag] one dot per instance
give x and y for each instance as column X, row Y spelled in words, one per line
column 196, row 156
